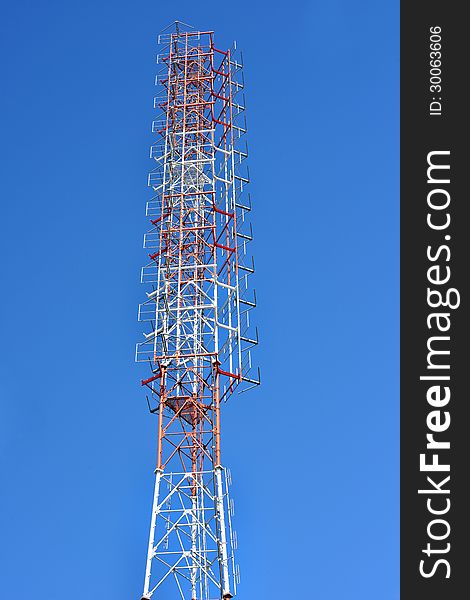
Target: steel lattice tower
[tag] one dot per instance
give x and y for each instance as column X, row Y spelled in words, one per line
column 198, row 335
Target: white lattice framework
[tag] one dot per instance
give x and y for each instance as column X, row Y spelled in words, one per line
column 198, row 335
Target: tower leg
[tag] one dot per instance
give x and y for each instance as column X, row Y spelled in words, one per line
column 153, row 522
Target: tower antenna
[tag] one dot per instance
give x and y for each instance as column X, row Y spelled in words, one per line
column 198, row 336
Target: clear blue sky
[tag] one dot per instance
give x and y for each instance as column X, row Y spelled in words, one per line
column 314, row 451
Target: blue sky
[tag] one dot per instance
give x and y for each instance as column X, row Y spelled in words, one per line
column 314, row 451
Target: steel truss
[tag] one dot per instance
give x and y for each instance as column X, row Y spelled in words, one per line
column 198, row 336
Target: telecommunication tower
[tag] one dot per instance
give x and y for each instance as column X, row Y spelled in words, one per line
column 198, row 335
